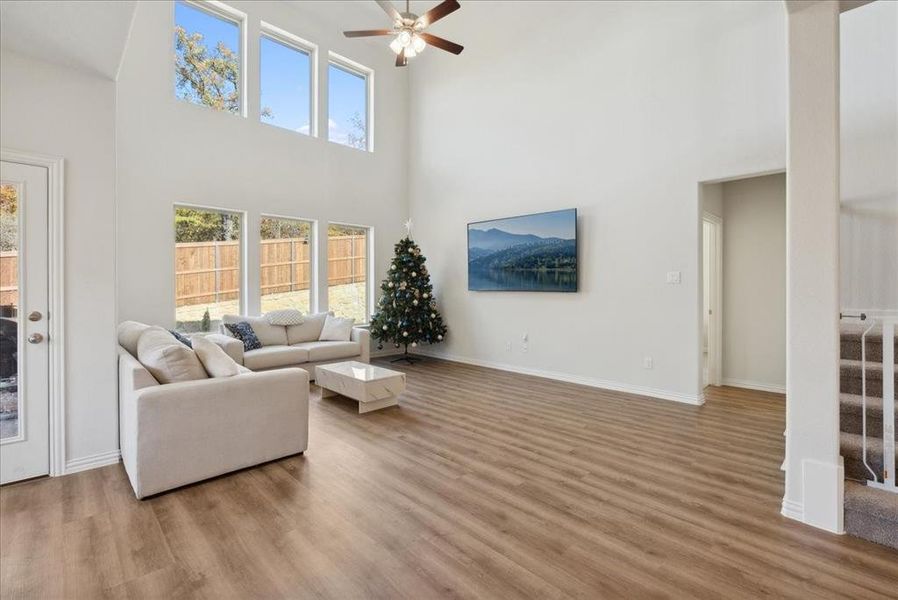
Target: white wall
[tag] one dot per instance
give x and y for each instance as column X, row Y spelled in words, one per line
column 754, row 282
column 52, row 110
column 618, row 109
column 869, row 157
column 170, row 151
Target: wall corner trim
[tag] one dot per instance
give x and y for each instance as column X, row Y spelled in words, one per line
column 93, row 461
column 755, row 385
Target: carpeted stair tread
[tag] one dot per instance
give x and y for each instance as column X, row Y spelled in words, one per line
column 852, row 368
column 850, row 377
column 855, row 402
column 879, row 503
column 850, row 411
column 851, row 447
column 871, row 514
column 850, row 342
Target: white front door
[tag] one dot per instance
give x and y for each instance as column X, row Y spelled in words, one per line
column 24, row 298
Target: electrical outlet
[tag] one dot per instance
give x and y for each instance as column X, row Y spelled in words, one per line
column 508, row 346
column 673, row 277
column 648, row 363
column 524, row 347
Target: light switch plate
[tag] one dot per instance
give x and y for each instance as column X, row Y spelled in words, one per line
column 673, row 277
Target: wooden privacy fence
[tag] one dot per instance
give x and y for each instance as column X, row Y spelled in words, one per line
column 210, row 271
column 9, row 278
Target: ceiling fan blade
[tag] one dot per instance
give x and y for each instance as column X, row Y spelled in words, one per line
column 368, row 32
column 401, row 60
column 438, row 12
column 390, row 10
column 442, row 44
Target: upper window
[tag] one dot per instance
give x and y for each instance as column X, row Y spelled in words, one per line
column 285, row 264
column 347, row 105
column 286, row 82
column 348, row 288
column 207, row 57
column 207, row 267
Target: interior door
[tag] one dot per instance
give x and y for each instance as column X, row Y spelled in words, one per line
column 24, row 298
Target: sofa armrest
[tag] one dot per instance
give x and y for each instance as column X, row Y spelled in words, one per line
column 231, row 345
column 363, row 337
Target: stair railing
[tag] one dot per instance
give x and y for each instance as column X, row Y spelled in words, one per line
column 864, row 398
column 888, row 323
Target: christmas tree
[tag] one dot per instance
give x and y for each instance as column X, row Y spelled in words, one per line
column 407, row 311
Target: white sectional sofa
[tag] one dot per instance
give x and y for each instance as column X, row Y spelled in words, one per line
column 291, row 346
column 173, row 434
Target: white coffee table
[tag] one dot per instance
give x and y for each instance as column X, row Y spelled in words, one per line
column 373, row 387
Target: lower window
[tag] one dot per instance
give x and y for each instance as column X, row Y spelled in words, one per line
column 347, row 271
column 207, row 267
column 285, row 264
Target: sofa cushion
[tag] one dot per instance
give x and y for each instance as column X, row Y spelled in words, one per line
column 128, row 335
column 268, row 334
column 215, row 360
column 336, row 329
column 330, row 350
column 271, row 357
column 244, row 332
column 181, row 338
column 308, row 331
column 167, row 359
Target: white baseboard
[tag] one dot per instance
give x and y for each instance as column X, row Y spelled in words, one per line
column 605, row 384
column 93, row 461
column 793, row 510
column 754, row 385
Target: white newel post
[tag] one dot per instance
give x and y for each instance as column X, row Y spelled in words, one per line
column 814, row 473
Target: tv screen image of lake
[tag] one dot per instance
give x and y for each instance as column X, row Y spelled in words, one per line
column 531, row 253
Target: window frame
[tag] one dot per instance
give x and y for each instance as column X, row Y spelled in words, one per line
column 313, row 257
column 354, row 68
column 219, row 10
column 369, row 268
column 294, row 42
column 242, row 277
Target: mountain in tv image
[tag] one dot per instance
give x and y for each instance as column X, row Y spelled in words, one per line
column 504, row 260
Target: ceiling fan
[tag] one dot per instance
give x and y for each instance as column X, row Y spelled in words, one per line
column 409, row 28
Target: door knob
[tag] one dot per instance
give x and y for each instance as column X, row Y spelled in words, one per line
column 35, row 316
column 35, row 338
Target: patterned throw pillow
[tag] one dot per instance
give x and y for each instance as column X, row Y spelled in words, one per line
column 181, row 338
column 243, row 331
column 285, row 317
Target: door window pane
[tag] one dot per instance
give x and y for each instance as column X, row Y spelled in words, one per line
column 285, row 84
column 207, row 58
column 285, row 264
column 347, row 108
column 347, row 268
column 207, row 267
column 9, row 310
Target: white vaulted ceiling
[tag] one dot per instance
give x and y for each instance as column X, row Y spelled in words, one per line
column 88, row 36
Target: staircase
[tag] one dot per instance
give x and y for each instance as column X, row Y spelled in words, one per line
column 870, row 513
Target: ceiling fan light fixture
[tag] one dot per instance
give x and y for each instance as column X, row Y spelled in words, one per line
column 409, row 30
column 418, row 43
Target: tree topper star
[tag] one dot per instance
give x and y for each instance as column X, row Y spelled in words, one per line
column 408, row 228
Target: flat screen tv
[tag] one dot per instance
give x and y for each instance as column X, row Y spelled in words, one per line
column 530, row 253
